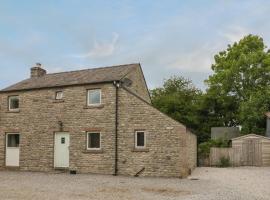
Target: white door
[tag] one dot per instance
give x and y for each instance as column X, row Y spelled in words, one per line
column 13, row 149
column 61, row 150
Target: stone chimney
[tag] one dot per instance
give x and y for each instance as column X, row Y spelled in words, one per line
column 37, row 71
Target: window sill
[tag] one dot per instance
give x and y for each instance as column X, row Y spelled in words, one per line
column 94, row 106
column 98, row 151
column 140, row 150
column 13, row 111
column 58, row 100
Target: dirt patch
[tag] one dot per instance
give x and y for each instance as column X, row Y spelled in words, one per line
column 166, row 191
column 114, row 189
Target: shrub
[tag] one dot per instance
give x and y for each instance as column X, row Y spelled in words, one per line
column 204, row 148
column 224, row 162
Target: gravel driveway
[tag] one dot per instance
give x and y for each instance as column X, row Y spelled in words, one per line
column 245, row 183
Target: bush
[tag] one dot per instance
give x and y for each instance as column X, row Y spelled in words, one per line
column 204, row 148
column 224, row 162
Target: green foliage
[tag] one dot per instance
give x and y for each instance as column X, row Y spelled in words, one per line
column 179, row 98
column 204, row 148
column 239, row 87
column 251, row 112
column 238, row 92
column 224, row 162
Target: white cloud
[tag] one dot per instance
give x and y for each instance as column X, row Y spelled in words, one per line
column 234, row 33
column 202, row 56
column 101, row 49
column 198, row 60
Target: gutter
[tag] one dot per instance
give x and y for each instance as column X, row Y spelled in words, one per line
column 116, row 85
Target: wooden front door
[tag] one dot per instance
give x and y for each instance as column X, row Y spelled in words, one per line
column 61, row 150
column 12, row 149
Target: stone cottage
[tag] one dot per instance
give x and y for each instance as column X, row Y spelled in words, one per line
column 91, row 121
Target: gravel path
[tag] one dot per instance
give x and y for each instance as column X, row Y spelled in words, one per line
column 245, row 183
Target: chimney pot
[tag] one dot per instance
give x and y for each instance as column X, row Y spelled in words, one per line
column 37, row 71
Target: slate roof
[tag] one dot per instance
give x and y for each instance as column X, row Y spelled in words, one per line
column 80, row 77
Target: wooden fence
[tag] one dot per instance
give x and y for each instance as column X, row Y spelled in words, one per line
column 249, row 150
column 217, row 153
column 238, row 156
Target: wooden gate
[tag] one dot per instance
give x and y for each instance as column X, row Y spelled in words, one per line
column 251, row 152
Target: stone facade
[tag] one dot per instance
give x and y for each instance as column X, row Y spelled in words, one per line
column 170, row 148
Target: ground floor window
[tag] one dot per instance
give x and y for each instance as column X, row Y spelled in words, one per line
column 140, row 139
column 93, row 141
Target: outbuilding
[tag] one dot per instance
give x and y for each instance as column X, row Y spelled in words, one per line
column 251, row 150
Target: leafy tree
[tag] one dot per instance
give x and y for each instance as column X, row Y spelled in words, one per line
column 238, row 92
column 239, row 87
column 180, row 99
column 251, row 112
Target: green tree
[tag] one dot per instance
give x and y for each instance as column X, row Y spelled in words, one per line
column 180, row 99
column 251, row 112
column 239, row 86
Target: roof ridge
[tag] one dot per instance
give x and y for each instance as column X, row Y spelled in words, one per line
column 75, row 77
column 95, row 68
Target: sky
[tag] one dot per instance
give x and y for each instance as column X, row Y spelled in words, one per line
column 168, row 37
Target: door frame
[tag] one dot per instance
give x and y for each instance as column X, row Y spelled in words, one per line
column 5, row 143
column 54, row 149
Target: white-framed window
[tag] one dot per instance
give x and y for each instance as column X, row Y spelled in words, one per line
column 140, row 139
column 13, row 103
column 59, row 95
column 93, row 141
column 94, row 97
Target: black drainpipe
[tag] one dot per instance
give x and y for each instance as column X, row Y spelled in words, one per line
column 117, row 85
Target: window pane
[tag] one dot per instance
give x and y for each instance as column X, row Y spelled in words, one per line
column 13, row 140
column 140, row 139
column 94, row 140
column 59, row 95
column 14, row 102
column 94, row 96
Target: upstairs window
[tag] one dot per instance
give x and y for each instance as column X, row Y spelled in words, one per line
column 59, row 95
column 13, row 103
column 94, row 97
column 93, row 141
column 140, row 139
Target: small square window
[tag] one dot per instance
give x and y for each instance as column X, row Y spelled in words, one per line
column 13, row 102
column 59, row 95
column 94, row 97
column 63, row 140
column 140, row 139
column 93, row 141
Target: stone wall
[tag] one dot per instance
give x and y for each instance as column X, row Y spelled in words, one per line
column 167, row 142
column 170, row 150
column 138, row 83
column 38, row 120
column 192, row 150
